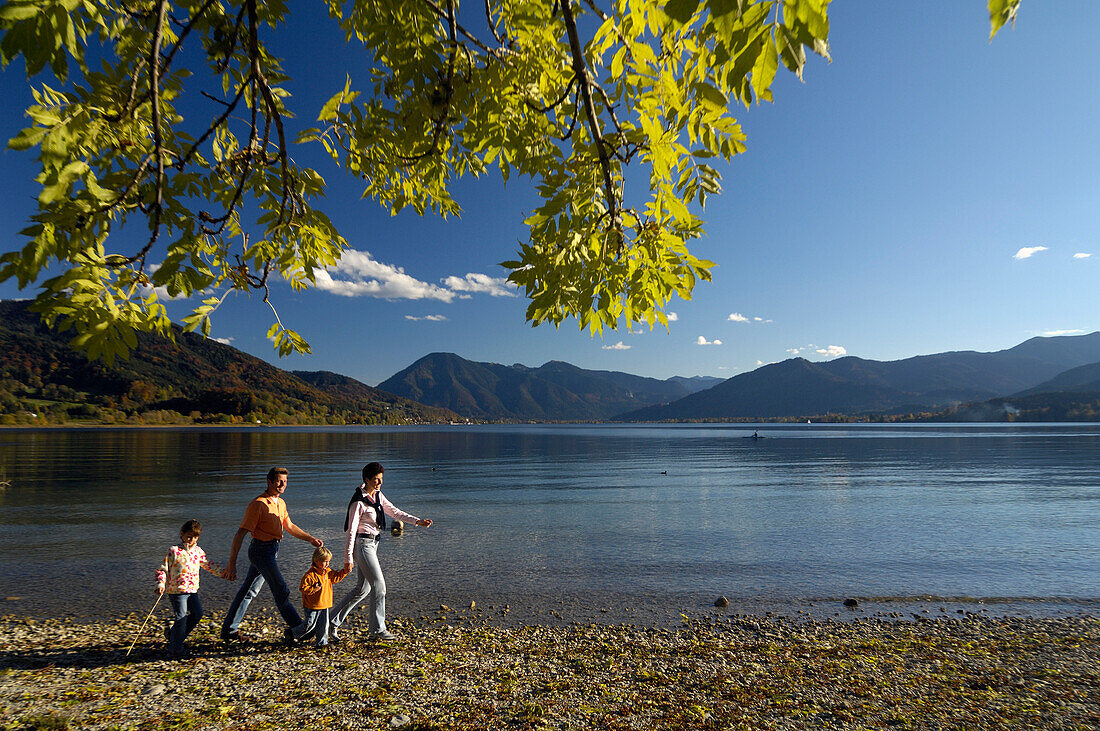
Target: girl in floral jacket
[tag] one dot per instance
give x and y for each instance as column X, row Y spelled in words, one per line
column 179, row 576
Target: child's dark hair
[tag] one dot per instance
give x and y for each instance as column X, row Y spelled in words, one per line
column 372, row 469
column 191, row 528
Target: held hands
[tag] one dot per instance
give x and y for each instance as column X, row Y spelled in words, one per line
column 424, row 522
column 230, row 573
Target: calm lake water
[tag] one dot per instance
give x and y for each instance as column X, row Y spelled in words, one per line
column 579, row 519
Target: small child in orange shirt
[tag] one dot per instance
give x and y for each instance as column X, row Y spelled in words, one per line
column 317, row 596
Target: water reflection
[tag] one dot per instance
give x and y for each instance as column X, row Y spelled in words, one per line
column 577, row 510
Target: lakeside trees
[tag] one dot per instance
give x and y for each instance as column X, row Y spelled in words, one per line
column 615, row 111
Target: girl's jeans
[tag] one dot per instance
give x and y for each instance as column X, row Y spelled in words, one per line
column 188, row 611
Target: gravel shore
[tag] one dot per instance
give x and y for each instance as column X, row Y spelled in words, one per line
column 446, row 672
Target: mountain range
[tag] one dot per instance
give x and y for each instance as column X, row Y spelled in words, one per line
column 935, row 386
column 194, row 379
column 555, row 391
column 850, row 385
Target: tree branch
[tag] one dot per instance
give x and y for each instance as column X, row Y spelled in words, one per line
column 580, row 69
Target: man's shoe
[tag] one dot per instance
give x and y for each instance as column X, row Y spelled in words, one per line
column 288, row 637
column 383, row 636
column 334, row 635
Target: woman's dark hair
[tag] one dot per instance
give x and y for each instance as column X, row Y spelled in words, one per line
column 372, row 469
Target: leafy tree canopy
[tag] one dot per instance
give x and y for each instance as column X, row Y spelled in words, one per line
column 616, row 110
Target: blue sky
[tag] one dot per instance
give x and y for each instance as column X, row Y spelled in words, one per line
column 926, row 191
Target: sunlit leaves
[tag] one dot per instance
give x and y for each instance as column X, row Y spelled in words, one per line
column 1000, row 13
column 617, row 111
column 119, row 162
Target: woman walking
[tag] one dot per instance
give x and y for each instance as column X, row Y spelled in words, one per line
column 364, row 523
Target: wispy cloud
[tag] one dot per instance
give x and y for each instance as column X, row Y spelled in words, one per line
column 1082, row 255
column 1056, row 333
column 617, row 346
column 831, row 351
column 703, row 341
column 1028, row 251
column 429, row 318
column 794, row 351
column 738, row 317
column 223, row 341
column 358, row 274
column 481, row 284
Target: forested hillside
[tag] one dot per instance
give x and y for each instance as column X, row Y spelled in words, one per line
column 194, row 380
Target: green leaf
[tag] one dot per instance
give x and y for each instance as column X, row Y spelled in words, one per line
column 681, row 10
column 711, row 96
column 1001, row 12
column 764, row 70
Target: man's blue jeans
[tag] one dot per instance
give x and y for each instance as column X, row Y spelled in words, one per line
column 263, row 567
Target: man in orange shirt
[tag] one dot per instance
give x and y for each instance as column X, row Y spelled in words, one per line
column 266, row 519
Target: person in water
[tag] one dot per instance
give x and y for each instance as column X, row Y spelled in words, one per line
column 364, row 523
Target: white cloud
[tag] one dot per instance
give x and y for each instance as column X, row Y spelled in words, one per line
column 224, row 341
column 738, row 317
column 481, row 284
column 832, row 351
column 703, row 341
column 1028, row 251
column 1082, row 255
column 429, row 318
column 357, row 274
column 672, row 317
column 794, row 351
column 1056, row 333
column 617, row 346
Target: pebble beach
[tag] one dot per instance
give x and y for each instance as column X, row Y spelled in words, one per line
column 453, row 670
